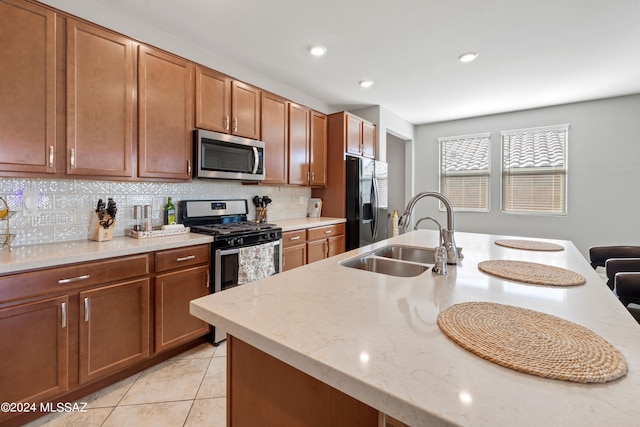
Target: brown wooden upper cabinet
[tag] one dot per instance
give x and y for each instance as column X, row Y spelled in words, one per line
column 318, row 150
column 27, row 88
column 274, row 122
column 226, row 105
column 165, row 115
column 100, row 102
column 360, row 136
column 307, row 146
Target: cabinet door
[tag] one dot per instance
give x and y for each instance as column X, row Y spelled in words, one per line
column 318, row 150
column 368, row 140
column 27, row 88
column 100, row 81
column 174, row 324
column 316, row 250
column 336, row 245
column 245, row 110
column 298, row 144
column 34, row 348
column 213, row 100
column 353, row 135
column 114, row 328
column 165, row 118
column 275, row 119
column 294, row 256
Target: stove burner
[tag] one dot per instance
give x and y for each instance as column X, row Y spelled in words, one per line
column 234, row 227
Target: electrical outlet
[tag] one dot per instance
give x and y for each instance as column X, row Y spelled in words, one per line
column 30, row 199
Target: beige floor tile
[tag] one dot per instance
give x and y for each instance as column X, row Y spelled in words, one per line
column 90, row 418
column 208, row 412
column 168, row 381
column 168, row 414
column 221, row 350
column 203, row 351
column 110, row 396
column 215, row 380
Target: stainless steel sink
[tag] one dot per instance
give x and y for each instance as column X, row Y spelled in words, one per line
column 385, row 266
column 408, row 253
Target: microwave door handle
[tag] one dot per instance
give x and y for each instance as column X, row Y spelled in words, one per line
column 255, row 160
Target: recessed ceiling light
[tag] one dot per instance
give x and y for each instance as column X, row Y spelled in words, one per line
column 468, row 56
column 317, row 50
column 366, row 83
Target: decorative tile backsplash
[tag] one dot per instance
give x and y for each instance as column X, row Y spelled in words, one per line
column 65, row 207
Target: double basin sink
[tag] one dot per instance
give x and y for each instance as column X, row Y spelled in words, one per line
column 394, row 260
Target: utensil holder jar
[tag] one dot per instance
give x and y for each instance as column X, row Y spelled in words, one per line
column 261, row 215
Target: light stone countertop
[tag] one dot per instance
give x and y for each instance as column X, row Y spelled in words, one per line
column 23, row 258
column 300, row 223
column 375, row 337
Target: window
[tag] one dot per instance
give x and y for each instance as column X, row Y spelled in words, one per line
column 534, row 170
column 464, row 171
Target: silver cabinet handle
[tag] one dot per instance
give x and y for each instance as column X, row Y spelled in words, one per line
column 313, row 178
column 73, row 158
column 185, row 258
column 64, row 314
column 328, row 232
column 86, row 309
column 226, row 123
column 51, row 156
column 188, row 167
column 208, row 279
column 235, row 124
column 294, row 238
column 73, row 279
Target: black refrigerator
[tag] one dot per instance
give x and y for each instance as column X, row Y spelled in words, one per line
column 367, row 202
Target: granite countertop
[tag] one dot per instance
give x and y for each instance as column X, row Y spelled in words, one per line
column 300, row 223
column 375, row 337
column 23, row 258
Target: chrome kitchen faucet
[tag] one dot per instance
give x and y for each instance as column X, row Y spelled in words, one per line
column 447, row 234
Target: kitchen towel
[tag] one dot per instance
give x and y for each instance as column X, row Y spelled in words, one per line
column 255, row 263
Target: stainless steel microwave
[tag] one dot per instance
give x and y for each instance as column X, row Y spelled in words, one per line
column 222, row 156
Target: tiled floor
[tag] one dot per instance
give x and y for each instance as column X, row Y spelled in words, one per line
column 186, row 390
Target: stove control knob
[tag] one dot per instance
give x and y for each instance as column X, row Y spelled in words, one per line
column 239, row 241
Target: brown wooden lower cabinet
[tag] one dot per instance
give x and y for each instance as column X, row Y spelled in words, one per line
column 114, row 328
column 34, row 350
column 68, row 331
column 264, row 391
column 173, row 291
column 300, row 247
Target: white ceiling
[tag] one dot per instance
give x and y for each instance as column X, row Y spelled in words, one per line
column 533, row 53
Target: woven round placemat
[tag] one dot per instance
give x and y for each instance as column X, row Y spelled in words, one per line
column 529, row 245
column 531, row 272
column 532, row 342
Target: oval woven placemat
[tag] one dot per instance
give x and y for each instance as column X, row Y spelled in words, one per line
column 529, row 245
column 532, row 272
column 532, row 342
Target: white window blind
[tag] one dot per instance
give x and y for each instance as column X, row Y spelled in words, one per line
column 534, row 169
column 464, row 171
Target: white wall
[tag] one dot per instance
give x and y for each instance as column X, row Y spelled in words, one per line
column 603, row 172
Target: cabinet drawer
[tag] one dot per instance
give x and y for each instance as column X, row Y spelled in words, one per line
column 290, row 238
column 182, row 257
column 324, row 232
column 25, row 285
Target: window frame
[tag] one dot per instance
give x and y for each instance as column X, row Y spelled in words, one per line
column 441, row 142
column 538, row 171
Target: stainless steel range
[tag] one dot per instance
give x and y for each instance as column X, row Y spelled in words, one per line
column 242, row 251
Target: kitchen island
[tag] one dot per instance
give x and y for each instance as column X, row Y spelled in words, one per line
column 375, row 338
